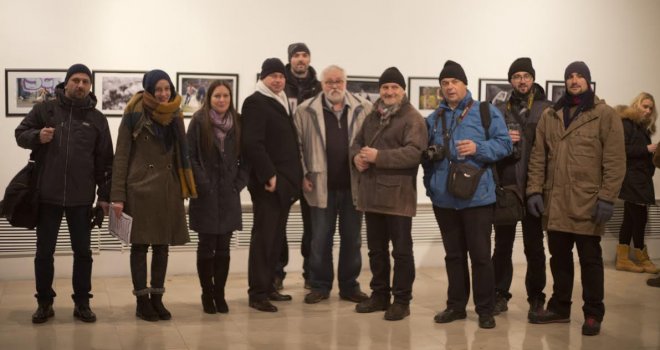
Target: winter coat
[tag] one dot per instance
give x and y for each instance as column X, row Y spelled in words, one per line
column 310, row 124
column 575, row 167
column 145, row 179
column 490, row 150
column 79, row 157
column 388, row 186
column 638, row 183
column 270, row 147
column 299, row 90
column 219, row 177
column 513, row 169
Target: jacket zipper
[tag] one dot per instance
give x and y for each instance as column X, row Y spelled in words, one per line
column 66, row 159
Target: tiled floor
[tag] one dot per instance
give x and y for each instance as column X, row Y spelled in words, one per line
column 632, row 319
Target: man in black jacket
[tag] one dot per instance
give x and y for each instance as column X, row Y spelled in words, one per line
column 270, row 147
column 72, row 140
column 522, row 110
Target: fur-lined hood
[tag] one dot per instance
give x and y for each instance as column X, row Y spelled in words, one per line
column 636, row 116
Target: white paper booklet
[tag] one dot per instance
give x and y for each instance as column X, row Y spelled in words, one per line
column 121, row 227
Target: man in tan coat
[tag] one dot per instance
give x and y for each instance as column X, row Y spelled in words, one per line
column 575, row 173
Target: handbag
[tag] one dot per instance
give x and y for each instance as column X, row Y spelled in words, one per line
column 509, row 208
column 463, row 179
column 20, row 203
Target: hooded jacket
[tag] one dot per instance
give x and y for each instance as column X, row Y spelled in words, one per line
column 637, row 185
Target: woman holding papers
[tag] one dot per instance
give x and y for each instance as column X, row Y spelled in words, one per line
column 151, row 178
column 214, row 139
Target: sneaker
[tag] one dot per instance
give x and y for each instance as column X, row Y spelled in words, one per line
column 397, row 312
column 449, row 315
column 548, row 316
column 373, row 304
column 486, row 321
column 314, row 297
column 43, row 313
column 501, row 305
column 591, row 326
column 84, row 313
column 357, row 297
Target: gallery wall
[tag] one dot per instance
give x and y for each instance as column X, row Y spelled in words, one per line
column 617, row 39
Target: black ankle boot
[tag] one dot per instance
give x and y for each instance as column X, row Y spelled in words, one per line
column 157, row 303
column 208, row 304
column 144, row 309
column 220, row 303
column 43, row 313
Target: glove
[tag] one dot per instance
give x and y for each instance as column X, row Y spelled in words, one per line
column 96, row 217
column 535, row 205
column 602, row 212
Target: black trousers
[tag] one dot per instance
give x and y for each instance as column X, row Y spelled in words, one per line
column 534, row 253
column 159, row 259
column 305, row 244
column 467, row 231
column 268, row 233
column 560, row 245
column 381, row 229
column 48, row 227
column 633, row 226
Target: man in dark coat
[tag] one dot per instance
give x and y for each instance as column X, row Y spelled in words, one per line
column 270, row 147
column 73, row 142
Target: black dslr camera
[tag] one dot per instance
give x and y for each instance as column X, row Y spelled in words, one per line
column 434, row 153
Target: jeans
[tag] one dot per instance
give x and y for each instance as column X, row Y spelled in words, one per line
column 340, row 204
column 534, row 253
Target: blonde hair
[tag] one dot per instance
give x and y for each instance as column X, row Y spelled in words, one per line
column 637, row 103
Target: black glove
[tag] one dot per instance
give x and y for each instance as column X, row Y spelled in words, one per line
column 96, row 217
column 535, row 205
column 602, row 212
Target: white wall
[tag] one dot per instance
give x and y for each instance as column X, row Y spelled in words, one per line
column 617, row 39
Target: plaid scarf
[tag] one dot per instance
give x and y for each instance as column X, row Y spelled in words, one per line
column 144, row 106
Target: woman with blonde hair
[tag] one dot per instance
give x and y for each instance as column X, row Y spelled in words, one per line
column 637, row 189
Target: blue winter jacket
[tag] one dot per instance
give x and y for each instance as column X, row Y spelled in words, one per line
column 489, row 151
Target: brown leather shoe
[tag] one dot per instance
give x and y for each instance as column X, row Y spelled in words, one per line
column 277, row 296
column 314, row 297
column 263, row 305
column 357, row 297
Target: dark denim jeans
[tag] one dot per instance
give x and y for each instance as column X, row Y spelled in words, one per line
column 78, row 221
column 340, row 204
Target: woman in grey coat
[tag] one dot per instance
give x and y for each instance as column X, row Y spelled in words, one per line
column 214, row 139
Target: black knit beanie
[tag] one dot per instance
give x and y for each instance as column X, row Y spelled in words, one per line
column 453, row 70
column 297, row 47
column 270, row 66
column 77, row 68
column 151, row 78
column 522, row 64
column 392, row 75
column 580, row 68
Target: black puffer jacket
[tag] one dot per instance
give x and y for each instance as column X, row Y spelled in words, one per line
column 298, row 90
column 638, row 184
column 79, row 157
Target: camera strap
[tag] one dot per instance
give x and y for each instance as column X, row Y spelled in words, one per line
column 446, row 135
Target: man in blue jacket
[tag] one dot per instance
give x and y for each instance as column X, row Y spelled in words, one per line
column 465, row 224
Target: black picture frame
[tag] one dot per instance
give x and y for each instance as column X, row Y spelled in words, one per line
column 364, row 86
column 494, row 90
column 192, row 100
column 26, row 87
column 555, row 89
column 114, row 88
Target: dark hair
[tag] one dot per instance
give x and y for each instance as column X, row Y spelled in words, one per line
column 207, row 134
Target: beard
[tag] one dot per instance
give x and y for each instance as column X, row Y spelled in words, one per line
column 336, row 96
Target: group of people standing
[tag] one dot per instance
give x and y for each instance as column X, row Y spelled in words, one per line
column 343, row 157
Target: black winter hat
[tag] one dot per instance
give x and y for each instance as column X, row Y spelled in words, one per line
column 297, row 47
column 392, row 75
column 580, row 68
column 270, row 66
column 522, row 64
column 151, row 78
column 453, row 70
column 77, row 68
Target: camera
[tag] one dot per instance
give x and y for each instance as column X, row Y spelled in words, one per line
column 434, row 153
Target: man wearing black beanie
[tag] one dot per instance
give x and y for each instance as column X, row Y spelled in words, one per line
column 576, row 172
column 522, row 110
column 386, row 152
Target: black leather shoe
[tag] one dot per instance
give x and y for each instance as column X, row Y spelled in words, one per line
column 397, row 312
column 357, row 297
column 263, row 305
column 373, row 304
column 314, row 297
column 486, row 321
column 43, row 313
column 535, row 307
column 449, row 315
column 501, row 305
column 591, row 326
column 277, row 296
column 548, row 316
column 84, row 313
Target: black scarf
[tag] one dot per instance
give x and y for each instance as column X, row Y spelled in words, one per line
column 583, row 101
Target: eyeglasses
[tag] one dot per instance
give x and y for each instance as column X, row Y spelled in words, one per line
column 519, row 77
column 333, row 82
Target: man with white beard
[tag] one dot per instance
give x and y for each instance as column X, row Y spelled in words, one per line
column 327, row 124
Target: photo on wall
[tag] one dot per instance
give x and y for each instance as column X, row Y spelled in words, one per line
column 193, row 89
column 113, row 90
column 494, row 90
column 555, row 89
column 26, row 87
column 363, row 86
column 424, row 94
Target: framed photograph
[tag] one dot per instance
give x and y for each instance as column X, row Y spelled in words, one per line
column 424, row 93
column 494, row 90
column 366, row 87
column 193, row 88
column 555, row 89
column 113, row 90
column 25, row 87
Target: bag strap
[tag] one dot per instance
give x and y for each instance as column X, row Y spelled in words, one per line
column 484, row 111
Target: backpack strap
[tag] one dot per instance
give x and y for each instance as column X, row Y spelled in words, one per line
column 484, row 111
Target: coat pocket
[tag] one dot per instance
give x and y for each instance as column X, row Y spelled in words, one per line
column 582, row 201
column 388, row 191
